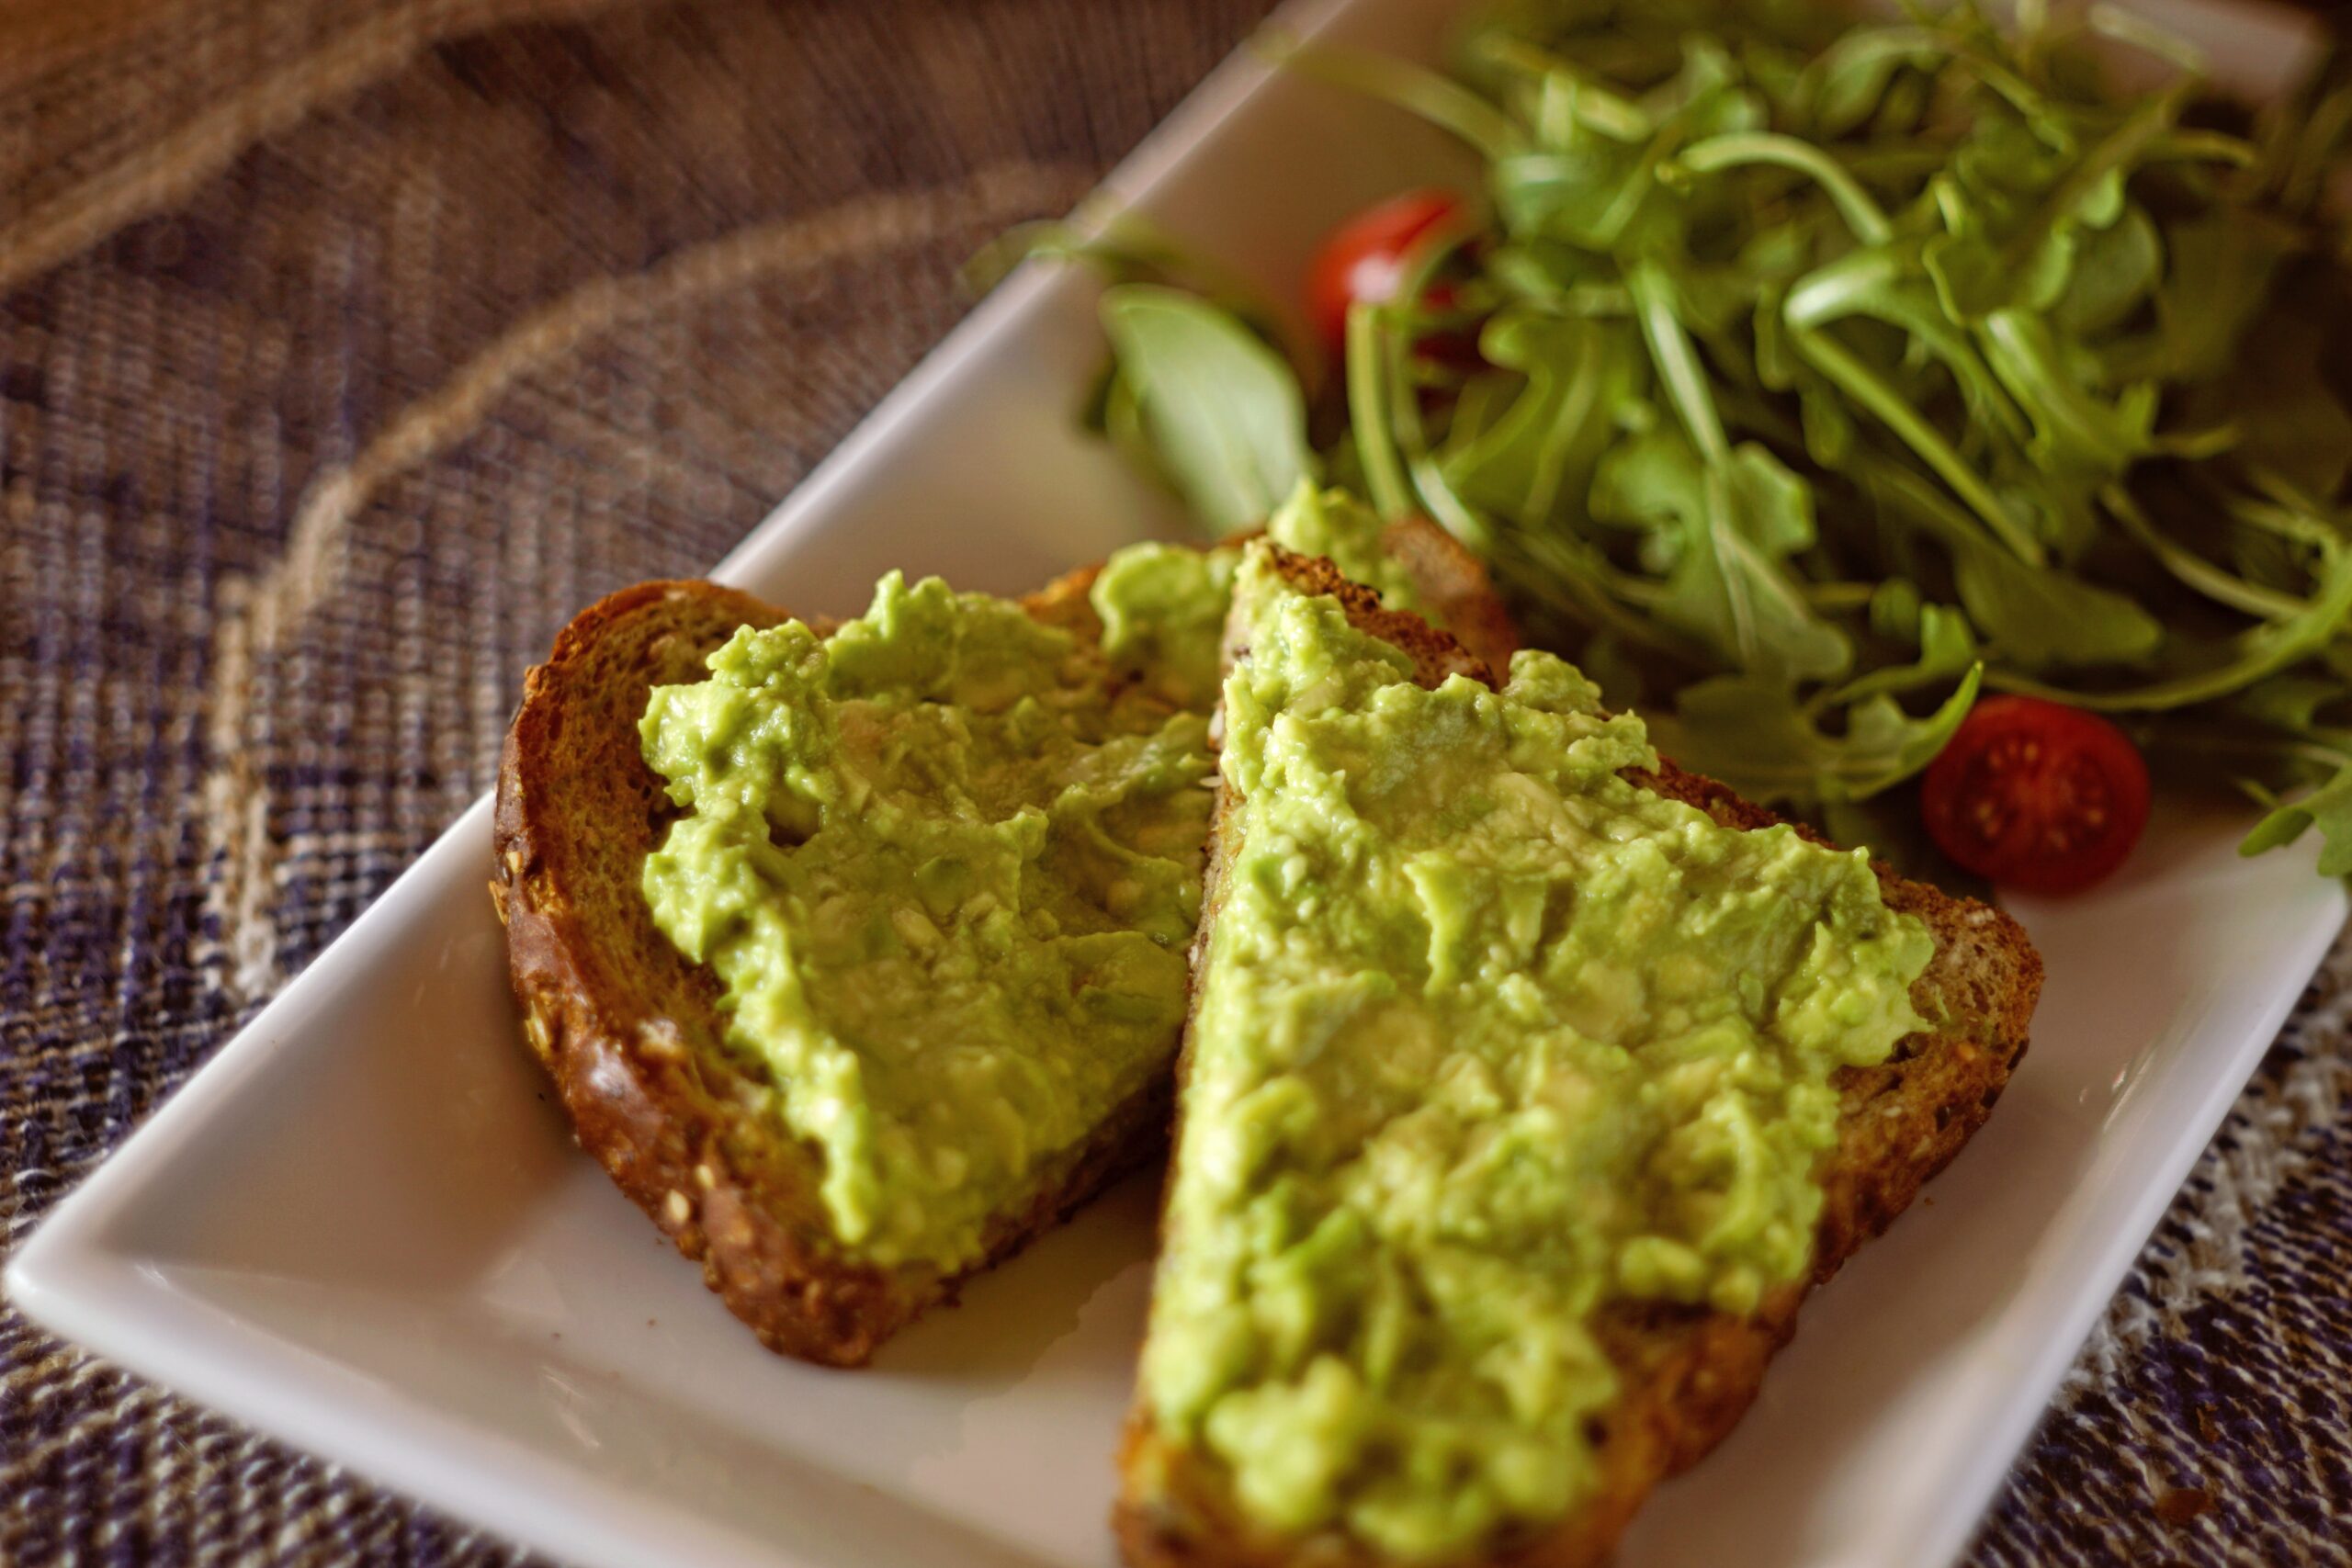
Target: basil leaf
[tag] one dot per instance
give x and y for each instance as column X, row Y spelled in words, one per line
column 1224, row 410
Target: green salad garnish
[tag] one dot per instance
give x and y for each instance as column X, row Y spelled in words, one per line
column 1829, row 372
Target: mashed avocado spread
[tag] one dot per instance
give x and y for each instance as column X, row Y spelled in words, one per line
column 946, row 864
column 1489, row 1039
column 1163, row 606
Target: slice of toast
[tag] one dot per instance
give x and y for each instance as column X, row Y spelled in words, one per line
column 630, row 1029
column 1685, row 1374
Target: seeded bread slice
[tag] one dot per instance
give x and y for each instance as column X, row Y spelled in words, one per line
column 1687, row 1373
column 630, row 1029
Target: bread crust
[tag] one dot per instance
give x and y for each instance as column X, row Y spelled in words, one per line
column 1688, row 1373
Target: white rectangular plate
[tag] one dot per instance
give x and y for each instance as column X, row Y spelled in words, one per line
column 363, row 1228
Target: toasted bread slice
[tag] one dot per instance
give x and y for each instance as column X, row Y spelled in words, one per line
column 1685, row 1374
column 631, row 1030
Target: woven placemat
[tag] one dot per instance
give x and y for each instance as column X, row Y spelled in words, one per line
column 346, row 348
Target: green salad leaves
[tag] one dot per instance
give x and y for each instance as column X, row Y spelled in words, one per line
column 1829, row 373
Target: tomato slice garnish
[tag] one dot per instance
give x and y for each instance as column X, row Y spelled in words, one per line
column 1364, row 260
column 2036, row 796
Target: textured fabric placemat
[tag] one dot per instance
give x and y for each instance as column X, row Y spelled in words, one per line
column 346, row 348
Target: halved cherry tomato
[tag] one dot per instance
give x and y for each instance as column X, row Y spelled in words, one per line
column 2036, row 796
column 1363, row 259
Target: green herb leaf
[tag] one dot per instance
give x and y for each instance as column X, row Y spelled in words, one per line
column 2283, row 389
column 2115, row 271
column 2328, row 808
column 2043, row 616
column 2036, row 617
column 1537, row 455
column 1755, row 737
column 1730, row 525
column 2219, row 267
column 1844, row 85
column 1975, row 276
column 1223, row 410
column 1438, row 99
column 2073, row 428
column 1947, row 651
column 2291, row 703
column 2209, row 671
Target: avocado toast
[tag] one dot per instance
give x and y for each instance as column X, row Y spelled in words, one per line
column 1490, row 1202
column 826, row 1233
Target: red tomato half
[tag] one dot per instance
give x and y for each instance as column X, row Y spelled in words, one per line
column 2036, row 796
column 1363, row 259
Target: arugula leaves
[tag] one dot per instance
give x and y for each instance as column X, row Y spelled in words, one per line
column 1729, row 525
column 2328, row 808
column 1535, row 457
column 1756, row 737
column 1831, row 373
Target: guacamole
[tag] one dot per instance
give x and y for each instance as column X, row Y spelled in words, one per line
column 1163, row 606
column 1489, row 1039
column 947, row 864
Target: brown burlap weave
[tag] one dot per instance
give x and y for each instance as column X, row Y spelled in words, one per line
column 346, row 346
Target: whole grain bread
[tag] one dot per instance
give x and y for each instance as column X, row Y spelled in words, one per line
column 630, row 1029
column 1687, row 1375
